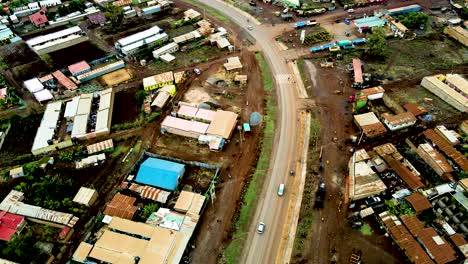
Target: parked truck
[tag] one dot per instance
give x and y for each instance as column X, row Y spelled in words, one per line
column 311, row 12
column 308, row 23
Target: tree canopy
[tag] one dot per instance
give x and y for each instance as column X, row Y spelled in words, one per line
column 414, row 20
column 114, row 14
column 376, row 44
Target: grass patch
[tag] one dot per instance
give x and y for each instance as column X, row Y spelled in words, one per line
column 241, row 227
column 266, row 74
column 119, row 150
column 306, row 215
column 140, row 121
column 366, row 230
column 209, row 10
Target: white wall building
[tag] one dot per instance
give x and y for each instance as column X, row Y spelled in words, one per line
column 57, row 40
column 169, row 48
column 132, row 43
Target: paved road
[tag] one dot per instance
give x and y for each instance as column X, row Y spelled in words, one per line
column 271, row 208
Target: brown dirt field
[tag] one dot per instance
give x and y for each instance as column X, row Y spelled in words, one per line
column 334, row 234
column 116, row 77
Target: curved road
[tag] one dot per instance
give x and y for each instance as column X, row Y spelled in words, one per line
column 271, row 209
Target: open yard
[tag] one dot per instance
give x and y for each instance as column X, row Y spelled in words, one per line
column 117, row 77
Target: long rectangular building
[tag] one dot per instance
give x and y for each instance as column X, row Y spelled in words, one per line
column 132, row 43
column 57, row 40
column 451, row 89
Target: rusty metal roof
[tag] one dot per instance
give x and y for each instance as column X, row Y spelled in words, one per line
column 121, row 206
column 418, row 202
column 448, row 149
column 399, row 119
column 413, row 224
column 415, row 109
column 437, row 246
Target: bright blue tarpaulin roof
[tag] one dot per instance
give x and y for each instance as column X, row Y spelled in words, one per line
column 160, row 173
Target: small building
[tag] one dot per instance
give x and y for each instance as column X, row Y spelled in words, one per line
column 89, row 161
column 399, row 121
column 160, row 173
column 189, row 203
column 191, row 14
column 166, row 49
column 370, row 125
column 447, row 148
column 458, row 33
column 79, row 68
column 363, row 181
column 100, row 71
column 233, row 63
column 167, row 58
column 161, row 100
column 187, row 37
column 10, row 224
column 246, row 128
column 38, row 19
column 158, row 81
column 49, row 3
column 223, row 124
column 436, row 161
column 367, row 23
column 97, row 19
column 86, row 196
column 121, row 206
column 7, row 36
column 415, row 109
column 17, row 172
column 242, row 79
column 132, row 43
column 81, row 253
column 64, row 81
column 357, row 72
column 450, row 135
column 397, row 28
column 372, row 93
column 418, row 202
column 103, row 146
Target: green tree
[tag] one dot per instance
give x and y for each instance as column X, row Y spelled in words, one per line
column 148, row 210
column 114, row 14
column 376, row 44
column 140, row 97
column 414, row 20
column 21, row 248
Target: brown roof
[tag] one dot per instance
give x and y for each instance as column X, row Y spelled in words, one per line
column 437, row 246
column 388, row 149
column 448, row 149
column 64, row 80
column 405, row 240
column 121, row 206
column 415, row 109
column 458, row 240
column 374, row 130
column 418, row 202
column 364, row 93
column 435, row 160
column 406, row 174
column 412, row 223
column 399, row 119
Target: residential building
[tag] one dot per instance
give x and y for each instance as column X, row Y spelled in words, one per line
column 195, row 113
column 357, row 72
column 399, row 121
column 452, row 88
column 164, row 96
column 147, row 192
column 26, row 10
column 84, row 77
column 187, row 37
column 10, row 224
column 103, row 146
column 223, row 124
column 191, row 14
column 397, row 28
column 404, row 10
column 38, row 19
column 370, row 125
column 233, row 63
column 418, row 202
column 400, row 165
column 363, row 181
column 450, row 136
column 57, row 40
column 17, row 172
column 436, row 161
column 13, row 204
column 458, row 33
column 89, row 161
column 49, row 3
column 38, row 90
column 368, row 23
column 167, row 57
column 74, row 17
column 415, row 109
column 158, row 81
column 132, row 43
column 182, row 127
column 86, row 196
column 64, row 81
column 121, row 206
column 447, row 148
column 7, row 36
column 166, row 49
column 160, row 173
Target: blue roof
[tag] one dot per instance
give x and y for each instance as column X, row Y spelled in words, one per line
column 246, row 127
column 160, row 173
column 370, row 22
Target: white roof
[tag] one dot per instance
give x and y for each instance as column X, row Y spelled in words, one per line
column 80, row 124
column 223, row 43
column 366, row 119
column 139, row 36
column 84, row 106
column 53, row 36
column 105, row 101
column 43, row 95
column 167, row 57
column 156, row 38
column 84, row 195
column 72, row 107
column 49, row 121
column 33, row 85
column 102, row 120
column 187, row 37
column 161, row 99
column 49, row 2
column 165, row 48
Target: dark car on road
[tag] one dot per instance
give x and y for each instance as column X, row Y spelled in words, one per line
column 320, row 196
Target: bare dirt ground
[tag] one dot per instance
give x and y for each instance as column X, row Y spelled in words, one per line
column 333, row 234
column 117, row 77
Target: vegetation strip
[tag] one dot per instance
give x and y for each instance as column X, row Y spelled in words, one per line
column 241, row 227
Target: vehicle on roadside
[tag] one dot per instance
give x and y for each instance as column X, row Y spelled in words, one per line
column 320, row 195
column 281, row 189
column 308, row 23
column 261, row 228
column 292, row 172
column 252, row 3
column 249, row 27
column 350, row 10
column 373, row 200
column 197, row 71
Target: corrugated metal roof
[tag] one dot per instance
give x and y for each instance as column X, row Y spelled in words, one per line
column 131, row 227
column 85, row 196
column 185, row 125
column 161, row 99
column 435, row 160
column 189, row 202
column 418, row 202
column 448, row 149
column 437, row 246
column 233, row 63
column 399, row 119
column 415, row 109
column 139, row 36
column 357, row 67
column 64, row 81
column 366, row 119
column 158, row 79
column 79, row 67
column 160, row 173
column 121, row 206
column 100, row 146
column 82, row 252
column 224, row 122
column 53, row 36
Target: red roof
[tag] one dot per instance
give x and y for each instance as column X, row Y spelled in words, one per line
column 79, row 67
column 64, row 81
column 418, row 202
column 9, row 223
column 121, row 206
column 64, row 232
column 357, row 67
column 38, row 18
